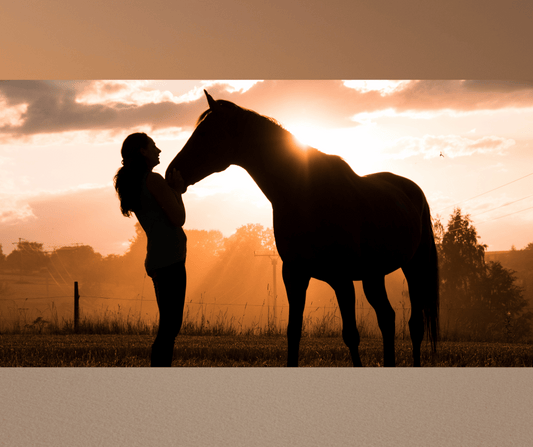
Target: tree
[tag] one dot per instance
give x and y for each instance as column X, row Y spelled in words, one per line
column 203, row 251
column 27, row 257
column 204, row 245
column 237, row 276
column 247, row 239
column 480, row 299
column 79, row 263
column 438, row 230
column 2, row 257
column 129, row 267
column 4, row 288
column 461, row 264
column 76, row 261
column 504, row 305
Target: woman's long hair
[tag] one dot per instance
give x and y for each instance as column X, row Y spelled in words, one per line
column 128, row 179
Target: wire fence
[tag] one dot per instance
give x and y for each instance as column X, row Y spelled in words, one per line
column 214, row 303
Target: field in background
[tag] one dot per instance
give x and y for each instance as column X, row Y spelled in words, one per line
column 122, row 339
column 117, row 327
column 30, row 303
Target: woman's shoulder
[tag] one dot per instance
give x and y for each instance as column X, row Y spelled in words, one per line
column 155, row 181
column 154, row 177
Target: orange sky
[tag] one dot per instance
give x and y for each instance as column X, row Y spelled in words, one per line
column 60, row 140
column 60, row 144
column 160, row 39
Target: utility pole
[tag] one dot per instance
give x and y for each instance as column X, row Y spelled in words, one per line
column 274, row 256
column 18, row 246
column 76, row 307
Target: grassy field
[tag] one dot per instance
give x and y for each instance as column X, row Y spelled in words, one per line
column 32, row 337
column 86, row 350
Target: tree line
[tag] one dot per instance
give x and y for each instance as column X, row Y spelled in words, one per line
column 479, row 298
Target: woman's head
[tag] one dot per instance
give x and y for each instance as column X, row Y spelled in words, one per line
column 139, row 155
column 139, row 148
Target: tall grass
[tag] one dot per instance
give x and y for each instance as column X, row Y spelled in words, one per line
column 204, row 319
column 215, row 338
column 198, row 319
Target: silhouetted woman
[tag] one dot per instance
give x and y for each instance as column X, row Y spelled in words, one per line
column 158, row 206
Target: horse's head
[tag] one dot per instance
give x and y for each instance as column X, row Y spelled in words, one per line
column 212, row 145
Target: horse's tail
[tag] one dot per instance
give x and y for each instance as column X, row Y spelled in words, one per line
column 430, row 306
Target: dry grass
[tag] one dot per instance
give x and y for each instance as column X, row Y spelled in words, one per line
column 112, row 350
column 210, row 338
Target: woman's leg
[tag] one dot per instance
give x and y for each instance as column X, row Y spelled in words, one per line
column 169, row 283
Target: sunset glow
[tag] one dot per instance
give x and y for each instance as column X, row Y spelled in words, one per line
column 466, row 143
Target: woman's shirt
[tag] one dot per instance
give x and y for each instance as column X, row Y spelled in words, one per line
column 167, row 244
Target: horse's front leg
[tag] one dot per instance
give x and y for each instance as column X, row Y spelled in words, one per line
column 296, row 283
column 376, row 294
column 345, row 293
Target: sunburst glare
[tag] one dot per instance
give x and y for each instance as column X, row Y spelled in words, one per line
column 360, row 146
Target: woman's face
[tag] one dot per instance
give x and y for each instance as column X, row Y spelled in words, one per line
column 151, row 153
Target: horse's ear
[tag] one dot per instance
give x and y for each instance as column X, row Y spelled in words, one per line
column 212, row 103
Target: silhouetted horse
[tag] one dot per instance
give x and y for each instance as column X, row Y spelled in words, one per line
column 329, row 223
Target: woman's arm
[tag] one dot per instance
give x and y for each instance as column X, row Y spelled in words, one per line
column 168, row 198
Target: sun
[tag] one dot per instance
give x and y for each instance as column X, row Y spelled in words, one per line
column 360, row 146
column 306, row 134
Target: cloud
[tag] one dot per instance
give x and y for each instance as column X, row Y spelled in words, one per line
column 51, row 107
column 91, row 216
column 384, row 87
column 453, row 96
column 14, row 210
column 84, row 215
column 430, row 146
column 57, row 107
column 498, row 86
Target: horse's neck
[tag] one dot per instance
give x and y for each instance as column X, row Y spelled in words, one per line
column 276, row 165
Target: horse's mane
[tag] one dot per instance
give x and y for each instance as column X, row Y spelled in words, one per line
column 272, row 125
column 234, row 106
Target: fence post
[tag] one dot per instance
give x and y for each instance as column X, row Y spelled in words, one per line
column 76, row 306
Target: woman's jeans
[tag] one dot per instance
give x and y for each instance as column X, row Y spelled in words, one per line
column 169, row 284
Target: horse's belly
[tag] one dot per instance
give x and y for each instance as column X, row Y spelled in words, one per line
column 359, row 250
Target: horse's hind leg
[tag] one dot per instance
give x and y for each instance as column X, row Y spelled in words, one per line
column 416, row 321
column 376, row 294
column 419, row 290
column 346, row 298
column 423, row 281
column 296, row 283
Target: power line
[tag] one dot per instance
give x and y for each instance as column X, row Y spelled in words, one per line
column 34, row 298
column 244, row 304
column 510, row 214
column 486, row 192
column 489, row 220
column 501, row 206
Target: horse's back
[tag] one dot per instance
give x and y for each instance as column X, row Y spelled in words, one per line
column 370, row 222
column 398, row 187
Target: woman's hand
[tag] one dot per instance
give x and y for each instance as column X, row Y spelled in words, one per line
column 176, row 182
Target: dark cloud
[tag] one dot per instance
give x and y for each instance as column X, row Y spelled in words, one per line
column 332, row 104
column 498, row 86
column 462, row 95
column 329, row 103
column 53, row 106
